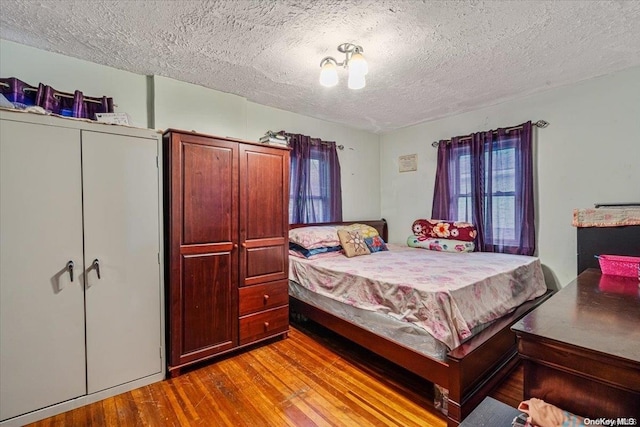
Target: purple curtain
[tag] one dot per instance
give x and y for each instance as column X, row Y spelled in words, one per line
column 315, row 185
column 487, row 179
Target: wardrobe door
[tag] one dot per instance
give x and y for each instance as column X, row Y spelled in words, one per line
column 203, row 235
column 42, row 352
column 121, row 230
column 264, row 219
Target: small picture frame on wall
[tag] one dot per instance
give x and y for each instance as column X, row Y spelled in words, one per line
column 408, row 163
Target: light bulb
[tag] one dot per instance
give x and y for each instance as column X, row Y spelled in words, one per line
column 358, row 65
column 328, row 74
column 356, row 81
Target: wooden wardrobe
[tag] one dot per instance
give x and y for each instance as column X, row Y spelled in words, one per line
column 226, row 249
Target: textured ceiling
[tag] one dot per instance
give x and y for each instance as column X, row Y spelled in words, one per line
column 427, row 59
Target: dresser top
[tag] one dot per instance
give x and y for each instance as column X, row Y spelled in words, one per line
column 597, row 312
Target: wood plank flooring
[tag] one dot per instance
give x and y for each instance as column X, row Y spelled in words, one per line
column 313, row 378
column 511, row 390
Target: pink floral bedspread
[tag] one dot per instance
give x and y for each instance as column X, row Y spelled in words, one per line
column 447, row 294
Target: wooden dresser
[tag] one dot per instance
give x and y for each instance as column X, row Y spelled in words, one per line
column 581, row 348
column 226, row 231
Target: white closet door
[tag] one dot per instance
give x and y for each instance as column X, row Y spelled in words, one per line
column 42, row 351
column 120, row 178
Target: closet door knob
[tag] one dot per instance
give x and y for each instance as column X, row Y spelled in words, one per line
column 96, row 265
column 70, row 266
column 244, row 245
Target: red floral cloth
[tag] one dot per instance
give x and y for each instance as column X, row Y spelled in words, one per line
column 437, row 228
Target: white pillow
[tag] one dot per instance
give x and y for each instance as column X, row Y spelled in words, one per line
column 313, row 237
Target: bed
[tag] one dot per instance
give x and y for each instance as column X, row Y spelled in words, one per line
column 473, row 351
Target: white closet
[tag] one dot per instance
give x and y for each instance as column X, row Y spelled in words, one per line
column 80, row 275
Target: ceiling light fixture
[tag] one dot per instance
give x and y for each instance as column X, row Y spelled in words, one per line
column 353, row 61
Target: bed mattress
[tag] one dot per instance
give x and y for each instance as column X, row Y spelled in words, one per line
column 380, row 324
column 447, row 295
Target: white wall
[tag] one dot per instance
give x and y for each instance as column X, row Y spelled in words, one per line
column 590, row 153
column 195, row 108
column 66, row 74
column 187, row 106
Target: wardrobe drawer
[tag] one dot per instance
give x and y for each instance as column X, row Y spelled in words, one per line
column 264, row 324
column 263, row 297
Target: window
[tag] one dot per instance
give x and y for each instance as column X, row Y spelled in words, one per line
column 318, row 195
column 499, row 195
column 487, row 179
column 315, row 187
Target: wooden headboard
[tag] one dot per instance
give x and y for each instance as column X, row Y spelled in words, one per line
column 606, row 241
column 378, row 224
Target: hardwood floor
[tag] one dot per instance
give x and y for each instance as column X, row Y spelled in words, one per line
column 313, row 378
column 510, row 391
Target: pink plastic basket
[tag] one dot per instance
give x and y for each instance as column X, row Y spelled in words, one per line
column 618, row 265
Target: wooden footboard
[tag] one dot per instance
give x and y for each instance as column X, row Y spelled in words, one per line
column 471, row 370
column 482, row 362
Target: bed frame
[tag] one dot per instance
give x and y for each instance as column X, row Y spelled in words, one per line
column 470, row 370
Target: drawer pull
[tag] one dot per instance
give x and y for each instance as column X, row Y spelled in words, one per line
column 266, row 325
column 266, row 298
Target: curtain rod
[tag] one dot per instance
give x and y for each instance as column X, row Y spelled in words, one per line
column 539, row 123
column 314, row 141
column 327, row 143
column 339, row 147
column 318, row 141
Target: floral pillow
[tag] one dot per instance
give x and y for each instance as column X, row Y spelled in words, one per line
column 313, row 237
column 442, row 245
column 364, row 229
column 375, row 244
column 436, row 228
column 353, row 243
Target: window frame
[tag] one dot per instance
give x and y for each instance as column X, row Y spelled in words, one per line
column 456, row 194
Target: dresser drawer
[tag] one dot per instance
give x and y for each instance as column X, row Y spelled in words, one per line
column 264, row 324
column 263, row 297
